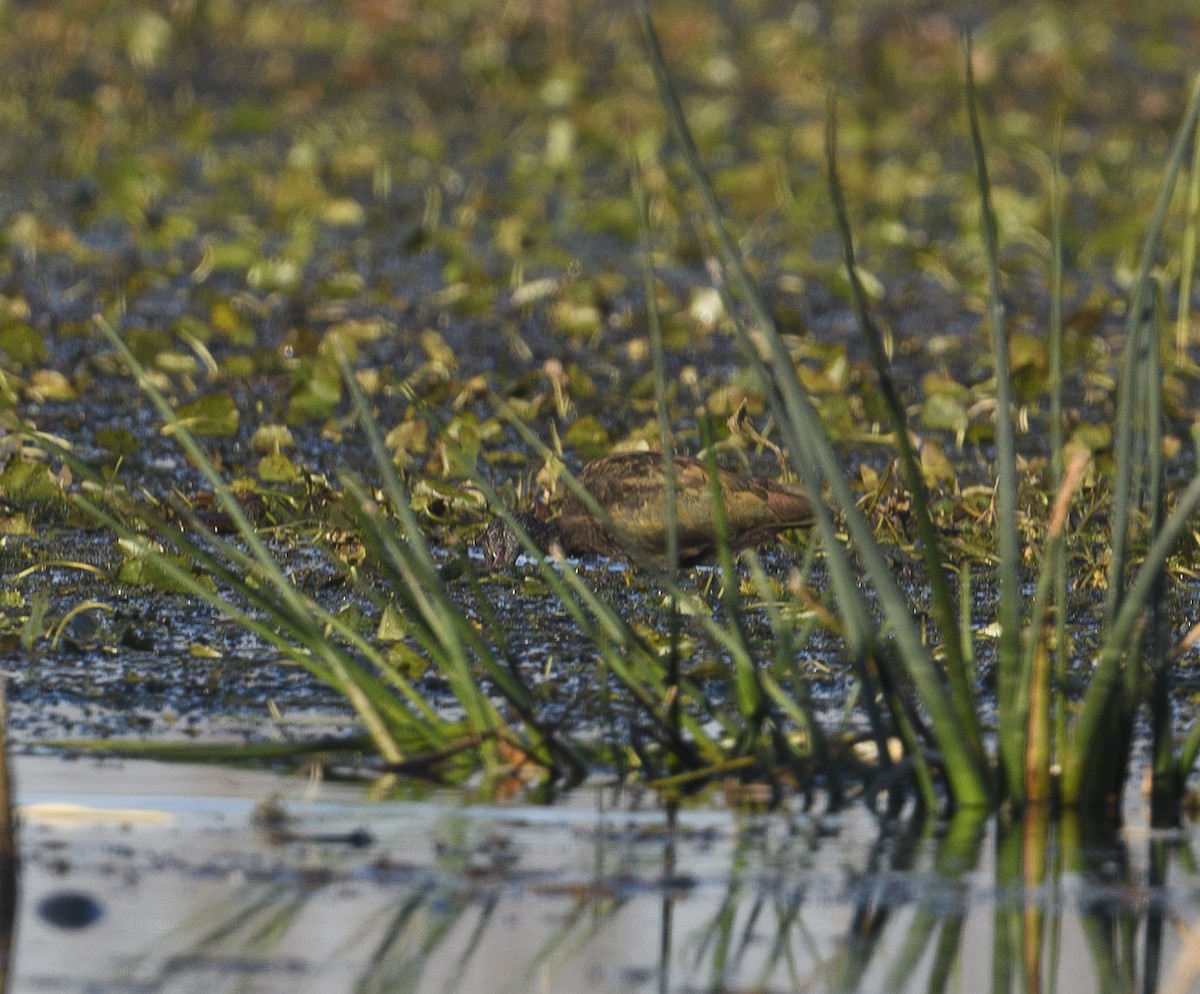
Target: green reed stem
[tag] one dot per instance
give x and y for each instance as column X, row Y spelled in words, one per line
column 662, row 403
column 1187, row 254
column 1012, row 681
column 1057, row 455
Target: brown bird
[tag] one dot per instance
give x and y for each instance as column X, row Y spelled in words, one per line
column 631, row 487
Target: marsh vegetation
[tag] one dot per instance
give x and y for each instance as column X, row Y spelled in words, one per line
column 296, row 304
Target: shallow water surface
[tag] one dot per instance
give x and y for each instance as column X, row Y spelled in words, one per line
column 185, row 878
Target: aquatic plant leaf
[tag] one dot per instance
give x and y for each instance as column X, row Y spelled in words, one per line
column 318, row 390
column 272, row 438
column 942, row 412
column 23, row 346
column 31, row 485
column 50, row 385
column 277, row 468
column 144, row 566
column 587, row 437
column 214, row 416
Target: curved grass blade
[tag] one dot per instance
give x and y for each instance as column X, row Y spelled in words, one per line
column 308, row 648
column 306, row 626
column 1187, row 255
column 1057, row 471
column 662, row 403
column 1012, row 685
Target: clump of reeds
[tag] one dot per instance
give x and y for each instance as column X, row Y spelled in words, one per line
column 1051, row 748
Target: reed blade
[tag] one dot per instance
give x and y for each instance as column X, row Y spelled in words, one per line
column 1012, row 679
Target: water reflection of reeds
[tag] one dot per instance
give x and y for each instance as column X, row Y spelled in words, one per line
column 566, row 902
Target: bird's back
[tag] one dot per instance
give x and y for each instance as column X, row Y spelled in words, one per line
column 631, row 487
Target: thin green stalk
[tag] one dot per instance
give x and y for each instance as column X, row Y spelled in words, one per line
column 859, row 622
column 1045, row 730
column 1165, row 788
column 454, row 642
column 230, row 566
column 748, row 694
column 1117, row 698
column 658, row 358
column 883, row 675
column 205, row 750
column 666, row 443
column 797, row 705
column 413, row 561
column 731, row 640
column 858, row 629
column 633, row 663
column 1012, row 695
column 620, row 649
column 457, row 641
column 1145, row 492
column 857, row 632
column 438, row 625
column 440, row 635
column 1056, row 439
column 291, row 603
column 1187, row 254
column 966, row 635
column 313, row 654
column 1035, row 739
column 1189, row 751
column 187, row 441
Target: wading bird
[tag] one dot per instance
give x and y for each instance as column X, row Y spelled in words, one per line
column 632, row 488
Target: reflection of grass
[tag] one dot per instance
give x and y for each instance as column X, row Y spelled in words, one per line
column 907, row 908
column 9, row 853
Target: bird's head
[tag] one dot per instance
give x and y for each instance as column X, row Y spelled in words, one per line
column 501, row 545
